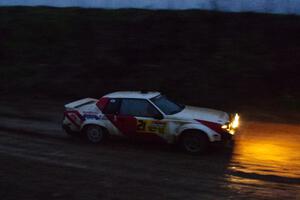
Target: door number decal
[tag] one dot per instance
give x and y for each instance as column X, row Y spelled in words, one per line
column 151, row 126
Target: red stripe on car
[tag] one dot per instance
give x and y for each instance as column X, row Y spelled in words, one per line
column 126, row 124
column 212, row 125
column 73, row 115
column 102, row 103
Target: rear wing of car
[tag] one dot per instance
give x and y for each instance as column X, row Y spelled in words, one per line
column 79, row 103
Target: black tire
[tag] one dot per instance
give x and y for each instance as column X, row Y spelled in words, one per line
column 94, row 134
column 194, row 142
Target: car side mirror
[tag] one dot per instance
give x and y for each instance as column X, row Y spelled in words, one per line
column 158, row 116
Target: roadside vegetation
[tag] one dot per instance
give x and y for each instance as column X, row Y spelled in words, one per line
column 221, row 60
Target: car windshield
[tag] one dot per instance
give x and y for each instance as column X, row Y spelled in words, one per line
column 167, row 106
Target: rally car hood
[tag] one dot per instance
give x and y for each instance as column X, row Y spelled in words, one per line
column 206, row 114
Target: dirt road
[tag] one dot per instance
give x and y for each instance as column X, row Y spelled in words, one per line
column 38, row 161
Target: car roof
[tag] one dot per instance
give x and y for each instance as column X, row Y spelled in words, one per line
column 133, row 94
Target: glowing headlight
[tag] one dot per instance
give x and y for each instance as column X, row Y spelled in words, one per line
column 224, row 126
column 235, row 122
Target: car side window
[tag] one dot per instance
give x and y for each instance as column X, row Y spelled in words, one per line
column 138, row 107
column 112, row 106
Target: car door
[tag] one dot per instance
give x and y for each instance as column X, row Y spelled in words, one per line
column 140, row 119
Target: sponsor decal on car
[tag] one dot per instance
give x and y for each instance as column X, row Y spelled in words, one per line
column 151, row 126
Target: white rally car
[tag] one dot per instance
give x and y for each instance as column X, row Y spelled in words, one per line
column 148, row 115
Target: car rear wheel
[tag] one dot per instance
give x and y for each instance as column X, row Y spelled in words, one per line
column 194, row 142
column 95, row 134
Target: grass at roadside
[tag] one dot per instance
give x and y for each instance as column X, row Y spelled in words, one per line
column 201, row 58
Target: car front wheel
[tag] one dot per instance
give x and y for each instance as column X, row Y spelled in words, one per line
column 194, row 142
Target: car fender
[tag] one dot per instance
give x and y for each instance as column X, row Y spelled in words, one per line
column 93, row 122
column 197, row 126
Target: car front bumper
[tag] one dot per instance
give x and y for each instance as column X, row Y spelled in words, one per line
column 227, row 140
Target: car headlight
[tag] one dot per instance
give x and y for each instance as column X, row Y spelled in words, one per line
column 232, row 125
column 225, row 126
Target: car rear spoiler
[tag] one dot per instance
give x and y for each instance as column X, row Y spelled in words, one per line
column 79, row 103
